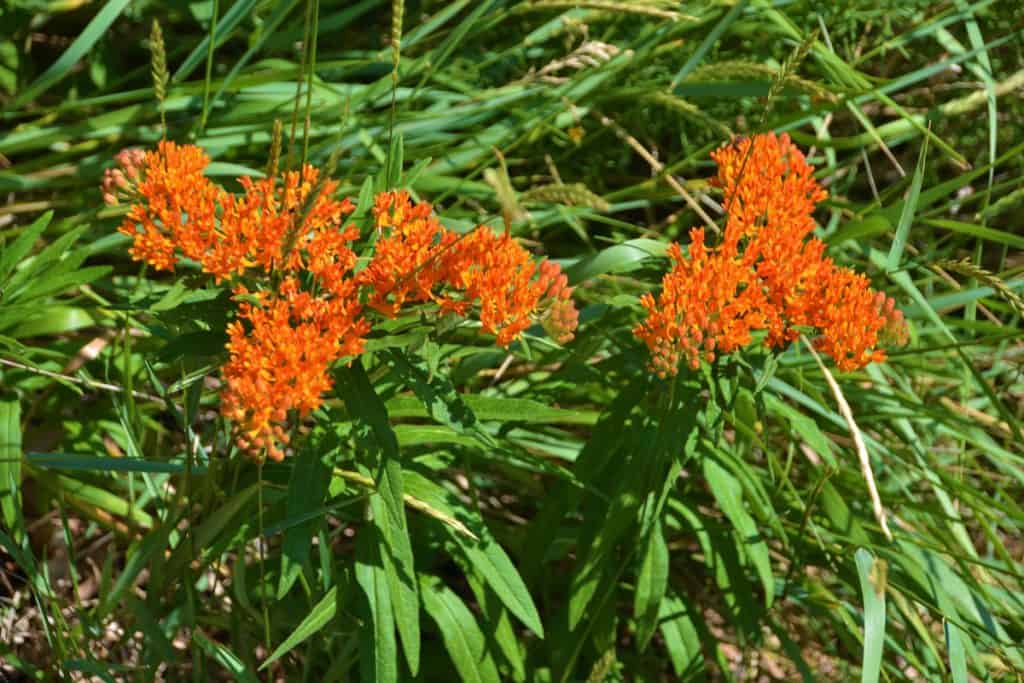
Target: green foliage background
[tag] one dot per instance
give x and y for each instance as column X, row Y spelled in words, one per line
column 560, row 514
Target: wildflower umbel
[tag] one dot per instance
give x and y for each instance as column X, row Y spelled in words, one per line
column 768, row 273
column 416, row 259
column 289, row 259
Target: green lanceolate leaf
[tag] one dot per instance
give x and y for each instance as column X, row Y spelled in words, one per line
column 78, row 49
column 907, row 216
column 98, row 463
column 10, row 466
column 379, row 452
column 321, row 615
column 729, row 494
column 651, row 584
column 11, row 255
column 872, row 573
column 460, row 631
column 378, row 660
column 682, row 640
column 226, row 658
column 306, row 491
column 484, row 556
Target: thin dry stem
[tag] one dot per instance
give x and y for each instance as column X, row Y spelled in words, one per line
column 92, row 384
column 414, row 503
column 659, row 168
column 858, row 440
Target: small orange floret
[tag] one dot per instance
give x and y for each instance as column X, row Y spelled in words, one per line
column 768, row 273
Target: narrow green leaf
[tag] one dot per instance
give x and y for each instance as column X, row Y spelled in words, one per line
column 239, row 11
column 12, row 255
column 378, row 660
column 681, row 638
column 486, row 557
column 804, row 426
column 307, row 488
column 899, row 242
column 619, row 258
column 78, row 49
column 98, row 463
column 10, row 467
column 651, row 585
column 211, row 528
column 957, row 656
column 318, row 617
column 872, row 573
column 728, row 491
column 225, row 657
column 499, row 408
column 462, row 636
column 379, row 450
column 138, row 558
column 709, row 41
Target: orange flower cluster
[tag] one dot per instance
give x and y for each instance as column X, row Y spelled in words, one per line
column 304, row 311
column 281, row 362
column 767, row 273
column 416, row 259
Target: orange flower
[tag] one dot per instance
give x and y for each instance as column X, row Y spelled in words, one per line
column 180, row 204
column 768, row 273
column 266, row 219
column 706, row 306
column 418, row 260
column 179, row 210
column 286, row 336
column 281, row 363
column 495, row 273
column 406, row 266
